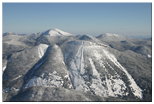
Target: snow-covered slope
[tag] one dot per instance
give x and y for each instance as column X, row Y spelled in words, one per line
column 93, row 68
column 42, row 49
column 56, row 32
column 111, row 37
column 52, row 72
column 17, row 67
column 55, row 65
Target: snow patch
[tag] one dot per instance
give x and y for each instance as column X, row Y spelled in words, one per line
column 79, row 60
column 104, row 81
column 77, row 81
column 42, row 49
column 116, row 86
column 96, row 84
column 77, row 70
column 16, row 77
column 95, row 72
column 111, row 86
column 4, row 68
column 134, row 87
column 47, row 80
column 149, row 56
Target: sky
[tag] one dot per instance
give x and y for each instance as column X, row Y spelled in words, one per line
column 78, row 18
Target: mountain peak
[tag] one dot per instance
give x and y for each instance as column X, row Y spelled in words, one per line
column 56, row 32
column 56, row 29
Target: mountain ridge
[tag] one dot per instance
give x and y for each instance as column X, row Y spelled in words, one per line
column 68, row 63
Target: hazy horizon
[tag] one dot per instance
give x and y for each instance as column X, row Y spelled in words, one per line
column 129, row 19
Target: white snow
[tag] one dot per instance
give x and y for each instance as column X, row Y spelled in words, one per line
column 134, row 87
column 111, row 34
column 79, row 60
column 4, row 65
column 77, row 70
column 42, row 49
column 97, row 55
column 112, row 84
column 15, row 89
column 77, row 81
column 96, row 83
column 149, row 56
column 47, row 80
column 56, row 32
column 62, row 32
column 16, row 77
column 58, row 55
column 95, row 72
column 115, row 86
column 55, row 46
column 4, row 68
column 109, row 87
column 111, row 37
column 14, row 40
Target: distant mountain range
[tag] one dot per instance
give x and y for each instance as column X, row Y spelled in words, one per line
column 58, row 66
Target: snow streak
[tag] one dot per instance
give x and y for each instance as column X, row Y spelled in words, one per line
column 107, row 84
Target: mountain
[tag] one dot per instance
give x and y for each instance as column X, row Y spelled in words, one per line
column 94, row 68
column 56, row 32
column 111, row 37
column 53, row 36
column 141, row 46
column 58, row 66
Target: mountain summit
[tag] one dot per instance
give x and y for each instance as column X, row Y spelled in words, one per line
column 56, row 32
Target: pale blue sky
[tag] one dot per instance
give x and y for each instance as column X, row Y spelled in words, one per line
column 78, row 18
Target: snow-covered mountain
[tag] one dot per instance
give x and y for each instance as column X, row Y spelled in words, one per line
column 56, row 32
column 53, row 36
column 57, row 66
column 90, row 63
column 111, row 37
